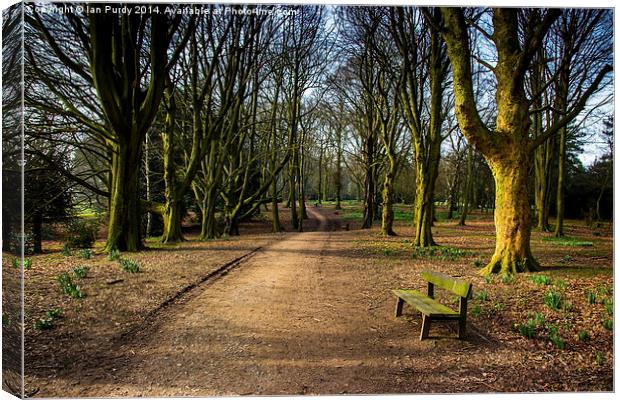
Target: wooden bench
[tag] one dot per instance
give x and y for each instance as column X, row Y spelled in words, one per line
column 431, row 309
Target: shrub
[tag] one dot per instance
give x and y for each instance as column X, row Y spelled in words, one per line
column 583, row 336
column 86, row 254
column 129, row 265
column 608, row 324
column 482, row 296
column 114, row 255
column 80, row 233
column 553, row 300
column 541, row 280
column 591, row 297
column 69, row 287
column 80, row 272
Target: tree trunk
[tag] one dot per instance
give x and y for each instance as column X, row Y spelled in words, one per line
column 387, row 220
column 512, row 213
column 369, row 184
column 276, row 226
column 423, row 211
column 124, row 218
column 468, row 185
column 338, row 178
column 37, row 222
column 559, row 225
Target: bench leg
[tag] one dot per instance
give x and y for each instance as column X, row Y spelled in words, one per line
column 399, row 306
column 462, row 328
column 426, row 326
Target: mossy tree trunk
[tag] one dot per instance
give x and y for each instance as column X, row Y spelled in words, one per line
column 424, row 60
column 129, row 108
column 469, row 183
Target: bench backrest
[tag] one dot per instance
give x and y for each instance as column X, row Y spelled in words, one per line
column 456, row 286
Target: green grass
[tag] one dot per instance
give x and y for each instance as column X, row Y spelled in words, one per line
column 568, row 241
column 440, row 253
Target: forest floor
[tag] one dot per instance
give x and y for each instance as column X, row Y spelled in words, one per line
column 312, row 313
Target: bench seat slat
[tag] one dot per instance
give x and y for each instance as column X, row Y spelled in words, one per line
column 424, row 304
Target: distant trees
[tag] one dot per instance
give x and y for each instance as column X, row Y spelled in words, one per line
column 243, row 108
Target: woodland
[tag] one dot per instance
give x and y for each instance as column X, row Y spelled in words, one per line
column 173, row 139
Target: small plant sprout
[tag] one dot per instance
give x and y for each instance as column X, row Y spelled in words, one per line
column 114, row 255
column 608, row 324
column 599, row 358
column 583, row 336
column 541, row 280
column 488, row 279
column 507, row 279
column 15, row 263
column 609, row 306
column 129, row 265
column 591, row 297
column 27, row 263
column 528, row 329
column 482, row 296
column 55, row 313
column 476, row 310
column 69, row 287
column 553, row 300
column 555, row 338
column 478, row 263
column 80, row 272
column 66, row 250
column 560, row 284
column 44, row 324
column 86, row 254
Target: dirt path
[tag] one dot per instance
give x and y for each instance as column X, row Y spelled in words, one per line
column 274, row 325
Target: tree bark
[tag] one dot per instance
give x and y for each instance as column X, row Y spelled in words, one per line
column 512, row 214
column 468, row 185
